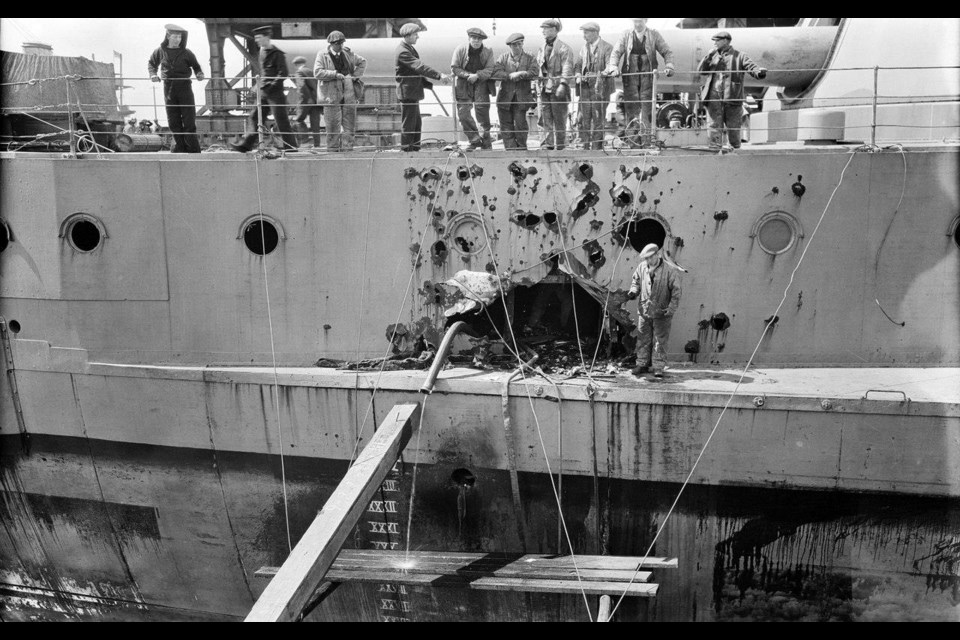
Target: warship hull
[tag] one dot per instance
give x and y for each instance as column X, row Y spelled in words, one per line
column 142, row 453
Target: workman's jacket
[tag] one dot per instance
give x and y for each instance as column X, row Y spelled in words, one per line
column 591, row 63
column 413, row 77
column 516, row 92
column 659, row 294
column 273, row 71
column 333, row 91
column 654, row 42
column 485, row 86
column 557, row 69
column 728, row 85
column 306, row 89
column 174, row 64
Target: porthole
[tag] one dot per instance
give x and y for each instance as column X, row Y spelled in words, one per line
column 261, row 235
column 15, row 327
column 642, row 233
column 467, row 235
column 777, row 233
column 955, row 232
column 5, row 236
column 83, row 232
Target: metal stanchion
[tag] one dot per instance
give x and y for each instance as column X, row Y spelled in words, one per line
column 876, row 98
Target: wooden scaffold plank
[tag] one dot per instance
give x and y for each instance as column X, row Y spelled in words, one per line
column 292, row 588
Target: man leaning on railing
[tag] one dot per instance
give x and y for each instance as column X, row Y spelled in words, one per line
column 723, row 91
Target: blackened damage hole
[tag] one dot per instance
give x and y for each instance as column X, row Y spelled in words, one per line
column 641, row 233
column 464, row 245
column 585, row 202
column 463, row 174
column 464, row 478
column 595, row 254
column 622, row 197
column 585, row 171
column 551, row 219
column 85, row 236
column 548, row 309
column 4, row 236
column 518, row 171
column 433, row 173
column 261, row 239
column 14, row 327
column 439, row 251
column 720, row 322
column 529, row 221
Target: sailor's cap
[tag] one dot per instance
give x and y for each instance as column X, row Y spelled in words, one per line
column 173, row 28
column 409, row 29
column 477, row 33
column 723, row 35
column 264, row 31
column 591, row 26
column 552, row 23
column 649, row 251
column 515, row 38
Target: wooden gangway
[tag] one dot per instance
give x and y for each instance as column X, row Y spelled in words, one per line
column 318, row 565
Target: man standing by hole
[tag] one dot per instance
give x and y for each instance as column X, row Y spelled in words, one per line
column 175, row 65
column 339, row 71
column 273, row 74
column 413, row 79
column 635, row 58
column 555, row 62
column 473, row 67
column 308, row 107
column 516, row 71
column 657, row 284
column 723, row 92
column 594, row 86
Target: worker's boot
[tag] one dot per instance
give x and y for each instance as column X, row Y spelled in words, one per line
column 641, row 371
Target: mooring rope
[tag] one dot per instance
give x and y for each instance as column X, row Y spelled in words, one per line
column 273, row 349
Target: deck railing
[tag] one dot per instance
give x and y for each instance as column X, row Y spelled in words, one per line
column 68, row 119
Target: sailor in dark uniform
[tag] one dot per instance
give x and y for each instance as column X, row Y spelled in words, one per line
column 175, row 64
column 273, row 73
column 413, row 78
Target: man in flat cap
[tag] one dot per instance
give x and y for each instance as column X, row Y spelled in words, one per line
column 723, row 71
column 516, row 71
column 175, row 64
column 308, row 107
column 339, row 71
column 413, row 78
column 635, row 58
column 595, row 87
column 273, row 74
column 555, row 64
column 473, row 67
column 657, row 284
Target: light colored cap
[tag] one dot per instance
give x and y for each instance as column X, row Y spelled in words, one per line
column 477, row 33
column 552, row 23
column 336, row 37
column 591, row 26
column 723, row 35
column 409, row 29
column 515, row 38
column 173, row 28
column 299, row 60
column 649, row 251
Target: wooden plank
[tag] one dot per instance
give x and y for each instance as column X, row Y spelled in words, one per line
column 565, row 587
column 296, row 582
column 356, row 574
column 613, row 563
column 606, row 608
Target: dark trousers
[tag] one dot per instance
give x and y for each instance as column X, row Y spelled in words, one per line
column 725, row 117
column 514, row 128
column 553, row 118
column 638, row 100
column 477, row 130
column 313, row 115
column 277, row 105
column 593, row 114
column 182, row 116
column 412, row 124
column 652, row 343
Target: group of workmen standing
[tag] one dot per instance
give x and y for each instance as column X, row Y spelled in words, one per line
column 518, row 79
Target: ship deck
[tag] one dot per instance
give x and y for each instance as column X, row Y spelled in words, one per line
column 918, row 391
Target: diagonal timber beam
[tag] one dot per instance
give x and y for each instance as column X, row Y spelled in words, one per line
column 292, row 589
